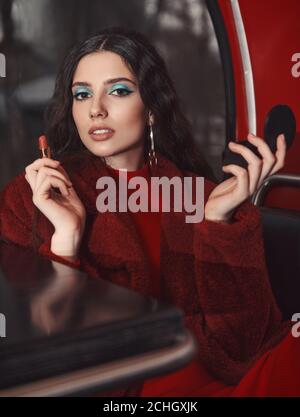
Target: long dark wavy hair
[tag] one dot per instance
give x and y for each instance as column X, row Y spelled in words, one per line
column 172, row 132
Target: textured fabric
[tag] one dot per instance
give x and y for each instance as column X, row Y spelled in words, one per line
column 214, row 272
column 276, row 373
column 147, row 225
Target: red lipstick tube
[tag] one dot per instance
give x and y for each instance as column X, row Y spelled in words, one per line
column 44, row 147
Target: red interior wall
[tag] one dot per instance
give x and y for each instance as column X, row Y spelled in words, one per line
column 273, row 32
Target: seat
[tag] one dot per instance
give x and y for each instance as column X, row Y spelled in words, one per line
column 281, row 234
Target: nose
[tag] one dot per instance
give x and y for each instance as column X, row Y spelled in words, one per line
column 98, row 110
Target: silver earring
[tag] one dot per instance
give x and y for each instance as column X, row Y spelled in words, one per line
column 151, row 153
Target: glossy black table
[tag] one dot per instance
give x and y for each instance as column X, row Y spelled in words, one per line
column 70, row 334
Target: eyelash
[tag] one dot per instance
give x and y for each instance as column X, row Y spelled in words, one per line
column 121, row 89
column 76, row 95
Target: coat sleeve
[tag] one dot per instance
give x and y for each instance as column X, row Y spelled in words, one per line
column 17, row 217
column 14, row 218
column 240, row 317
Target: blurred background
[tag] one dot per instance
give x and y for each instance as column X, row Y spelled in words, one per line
column 35, row 35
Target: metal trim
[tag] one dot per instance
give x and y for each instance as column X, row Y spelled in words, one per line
column 259, row 196
column 218, row 23
column 247, row 67
column 113, row 374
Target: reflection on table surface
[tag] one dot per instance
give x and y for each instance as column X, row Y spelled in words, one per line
column 51, row 298
column 60, row 320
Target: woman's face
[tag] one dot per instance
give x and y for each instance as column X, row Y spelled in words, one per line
column 106, row 96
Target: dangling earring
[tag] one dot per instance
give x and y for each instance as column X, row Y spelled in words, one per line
column 151, row 153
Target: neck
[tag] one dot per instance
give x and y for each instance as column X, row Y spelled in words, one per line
column 131, row 160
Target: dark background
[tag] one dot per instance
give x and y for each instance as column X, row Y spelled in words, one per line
column 36, row 34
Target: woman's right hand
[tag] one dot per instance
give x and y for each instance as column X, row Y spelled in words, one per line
column 65, row 211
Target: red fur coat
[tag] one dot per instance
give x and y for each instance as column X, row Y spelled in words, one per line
column 214, row 272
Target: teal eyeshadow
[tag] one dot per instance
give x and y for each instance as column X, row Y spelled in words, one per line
column 81, row 90
column 117, row 86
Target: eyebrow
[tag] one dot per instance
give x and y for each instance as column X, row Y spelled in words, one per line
column 109, row 81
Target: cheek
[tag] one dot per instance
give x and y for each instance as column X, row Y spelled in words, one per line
column 75, row 115
column 79, row 111
column 132, row 113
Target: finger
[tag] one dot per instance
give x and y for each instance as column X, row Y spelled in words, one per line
column 268, row 158
column 47, row 319
column 43, row 192
column 254, row 164
column 44, row 171
column 280, row 154
column 38, row 163
column 32, row 169
column 241, row 191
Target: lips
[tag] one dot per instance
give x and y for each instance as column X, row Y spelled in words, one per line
column 100, row 127
column 99, row 133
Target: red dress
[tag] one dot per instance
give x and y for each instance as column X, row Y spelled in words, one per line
column 276, row 373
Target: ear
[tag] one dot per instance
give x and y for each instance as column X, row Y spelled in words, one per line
column 150, row 118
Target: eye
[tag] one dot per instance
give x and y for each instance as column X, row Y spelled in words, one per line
column 120, row 91
column 81, row 95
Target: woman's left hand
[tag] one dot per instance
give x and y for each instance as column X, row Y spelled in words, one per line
column 229, row 194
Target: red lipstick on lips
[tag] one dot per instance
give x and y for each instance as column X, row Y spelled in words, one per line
column 101, row 136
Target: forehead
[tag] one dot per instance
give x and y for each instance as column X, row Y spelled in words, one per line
column 100, row 66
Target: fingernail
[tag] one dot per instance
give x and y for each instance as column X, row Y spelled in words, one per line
column 252, row 135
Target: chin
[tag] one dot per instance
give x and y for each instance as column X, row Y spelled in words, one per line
column 108, row 148
column 100, row 149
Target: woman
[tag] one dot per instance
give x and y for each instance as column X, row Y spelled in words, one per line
column 115, row 107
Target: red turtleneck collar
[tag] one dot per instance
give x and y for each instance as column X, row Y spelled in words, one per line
column 144, row 171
